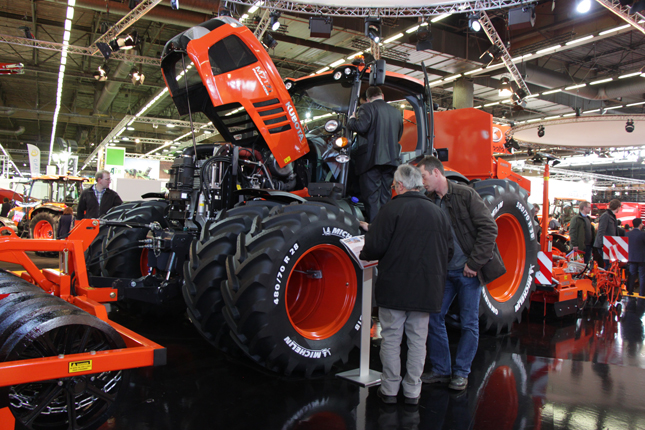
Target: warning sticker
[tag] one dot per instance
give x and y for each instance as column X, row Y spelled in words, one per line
column 80, row 366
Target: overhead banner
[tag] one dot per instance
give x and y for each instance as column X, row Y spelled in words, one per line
column 34, row 159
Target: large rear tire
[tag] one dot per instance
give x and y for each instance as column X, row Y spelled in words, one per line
column 505, row 299
column 206, row 269
column 93, row 252
column 291, row 297
column 122, row 255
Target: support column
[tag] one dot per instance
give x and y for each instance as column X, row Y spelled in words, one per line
column 462, row 95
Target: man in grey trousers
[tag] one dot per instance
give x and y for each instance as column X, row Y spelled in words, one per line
column 411, row 239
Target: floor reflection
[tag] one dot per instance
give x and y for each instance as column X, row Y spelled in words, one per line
column 577, row 373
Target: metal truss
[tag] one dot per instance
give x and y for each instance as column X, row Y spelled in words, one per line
column 636, row 20
column 72, row 49
column 262, row 25
column 494, row 38
column 116, row 132
column 573, row 120
column 573, row 175
column 133, row 16
column 400, row 12
column 178, row 123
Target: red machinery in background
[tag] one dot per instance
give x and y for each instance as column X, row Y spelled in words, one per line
column 62, row 362
column 564, row 281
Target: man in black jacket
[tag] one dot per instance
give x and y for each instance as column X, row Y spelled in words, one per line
column 411, row 239
column 636, row 256
column 476, row 261
column 98, row 199
column 581, row 232
column 381, row 127
column 607, row 226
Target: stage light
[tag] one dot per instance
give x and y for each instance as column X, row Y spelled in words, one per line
column 473, row 22
column 101, row 73
column 373, row 28
column 583, row 6
column 540, row 131
column 269, row 41
column 275, row 23
column 137, row 77
column 424, row 37
column 505, row 89
column 629, row 126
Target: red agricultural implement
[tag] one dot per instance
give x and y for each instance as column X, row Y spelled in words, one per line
column 63, row 363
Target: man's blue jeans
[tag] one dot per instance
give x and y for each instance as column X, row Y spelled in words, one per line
column 468, row 292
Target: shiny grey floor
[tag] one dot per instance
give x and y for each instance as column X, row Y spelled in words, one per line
column 582, row 372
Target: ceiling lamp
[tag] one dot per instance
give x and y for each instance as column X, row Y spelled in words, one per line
column 275, row 23
column 101, row 73
column 137, row 77
column 269, row 41
column 373, row 28
column 424, row 37
column 320, row 26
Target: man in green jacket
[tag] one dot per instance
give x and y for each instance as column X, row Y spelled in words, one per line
column 581, row 232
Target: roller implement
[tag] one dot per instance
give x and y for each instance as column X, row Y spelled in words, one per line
column 248, row 235
column 63, row 363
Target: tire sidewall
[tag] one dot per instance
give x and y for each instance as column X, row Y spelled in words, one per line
column 290, row 340
column 512, row 204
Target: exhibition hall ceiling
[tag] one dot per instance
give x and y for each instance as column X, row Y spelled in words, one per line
column 609, row 63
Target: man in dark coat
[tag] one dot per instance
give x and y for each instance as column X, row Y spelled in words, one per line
column 476, row 262
column 411, row 239
column 98, row 199
column 6, row 207
column 381, row 127
column 607, row 226
column 581, row 232
column 636, row 257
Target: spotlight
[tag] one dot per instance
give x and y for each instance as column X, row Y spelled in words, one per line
column 529, row 152
column 512, row 144
column 541, row 131
column 373, row 28
column 101, row 73
column 505, row 89
column 26, row 31
column 473, row 22
column 583, row 6
column 629, row 126
column 137, row 77
column 320, row 26
column 127, row 42
column 275, row 24
column 493, row 52
column 424, row 37
column 269, row 41
column 578, row 111
column 537, row 159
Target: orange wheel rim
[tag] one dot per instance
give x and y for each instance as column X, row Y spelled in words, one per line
column 43, row 230
column 513, row 251
column 319, row 308
column 143, row 262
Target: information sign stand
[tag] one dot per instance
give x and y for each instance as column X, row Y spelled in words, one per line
column 363, row 376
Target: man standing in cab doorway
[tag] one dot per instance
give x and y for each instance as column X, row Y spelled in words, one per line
column 381, row 127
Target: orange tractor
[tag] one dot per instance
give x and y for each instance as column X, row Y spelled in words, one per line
column 45, row 200
column 248, row 236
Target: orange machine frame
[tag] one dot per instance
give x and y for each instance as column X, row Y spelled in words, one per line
column 139, row 351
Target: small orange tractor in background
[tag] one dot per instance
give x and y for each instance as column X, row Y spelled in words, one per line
column 45, row 199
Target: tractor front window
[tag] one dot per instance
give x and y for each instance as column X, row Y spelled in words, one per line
column 317, row 104
column 229, row 54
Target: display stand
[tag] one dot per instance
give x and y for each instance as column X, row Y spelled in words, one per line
column 363, row 376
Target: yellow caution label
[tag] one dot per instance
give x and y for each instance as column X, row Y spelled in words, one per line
column 80, row 366
column 239, row 187
column 286, row 160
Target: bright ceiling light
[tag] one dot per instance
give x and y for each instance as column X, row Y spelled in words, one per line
column 583, row 6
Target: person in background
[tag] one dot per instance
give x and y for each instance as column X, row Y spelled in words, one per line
column 554, row 224
column 411, row 238
column 98, row 199
column 6, row 207
column 619, row 228
column 65, row 223
column 381, row 127
column 636, row 257
column 581, row 232
column 476, row 262
column 607, row 226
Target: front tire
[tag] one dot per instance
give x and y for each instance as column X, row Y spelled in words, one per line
column 44, row 225
column 291, row 297
column 504, row 299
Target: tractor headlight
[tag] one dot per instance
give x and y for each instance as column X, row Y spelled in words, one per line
column 331, row 126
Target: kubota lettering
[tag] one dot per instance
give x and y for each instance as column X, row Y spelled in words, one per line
column 294, row 120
